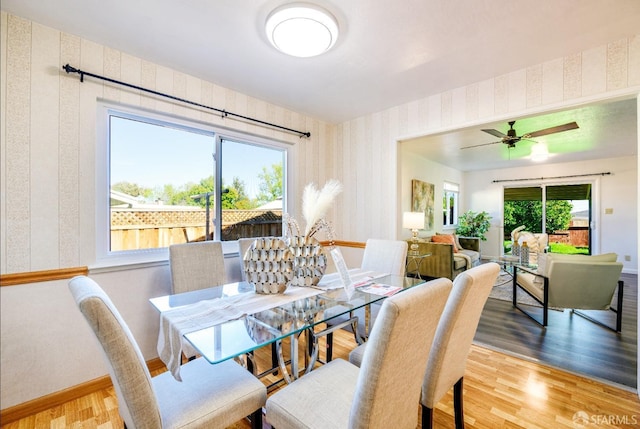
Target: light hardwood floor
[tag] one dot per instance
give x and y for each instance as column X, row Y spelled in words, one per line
column 499, row 391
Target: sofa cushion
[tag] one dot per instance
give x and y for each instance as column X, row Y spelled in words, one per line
column 459, row 263
column 445, row 238
column 533, row 284
column 465, row 259
column 472, row 254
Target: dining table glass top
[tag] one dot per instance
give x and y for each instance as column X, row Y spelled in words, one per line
column 255, row 329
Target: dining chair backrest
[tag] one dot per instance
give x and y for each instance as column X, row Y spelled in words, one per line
column 243, row 246
column 457, row 327
column 386, row 256
column 196, row 265
column 137, row 402
column 388, row 385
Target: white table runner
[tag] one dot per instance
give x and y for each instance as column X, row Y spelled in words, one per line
column 175, row 323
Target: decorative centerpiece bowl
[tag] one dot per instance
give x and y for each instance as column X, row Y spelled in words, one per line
column 309, row 260
column 268, row 265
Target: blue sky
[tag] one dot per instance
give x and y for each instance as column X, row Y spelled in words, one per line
column 152, row 156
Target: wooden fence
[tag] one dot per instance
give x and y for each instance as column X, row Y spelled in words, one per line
column 133, row 229
column 577, row 236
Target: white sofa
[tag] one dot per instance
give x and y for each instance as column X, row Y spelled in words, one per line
column 578, row 282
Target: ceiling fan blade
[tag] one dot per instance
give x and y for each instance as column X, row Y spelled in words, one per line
column 478, row 145
column 552, row 130
column 495, row 133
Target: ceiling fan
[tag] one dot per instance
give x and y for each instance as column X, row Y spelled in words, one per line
column 511, row 138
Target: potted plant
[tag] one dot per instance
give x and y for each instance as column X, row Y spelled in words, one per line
column 472, row 224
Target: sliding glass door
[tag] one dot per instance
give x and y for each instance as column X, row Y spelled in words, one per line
column 561, row 211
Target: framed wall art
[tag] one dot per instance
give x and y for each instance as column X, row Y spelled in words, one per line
column 422, row 200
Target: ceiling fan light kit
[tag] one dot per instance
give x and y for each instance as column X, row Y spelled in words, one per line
column 301, row 29
column 539, row 152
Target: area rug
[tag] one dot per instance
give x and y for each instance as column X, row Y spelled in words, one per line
column 503, row 290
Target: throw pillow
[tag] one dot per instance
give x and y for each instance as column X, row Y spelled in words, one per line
column 456, row 240
column 445, row 238
column 542, row 268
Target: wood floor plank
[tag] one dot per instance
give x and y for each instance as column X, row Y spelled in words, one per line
column 501, row 390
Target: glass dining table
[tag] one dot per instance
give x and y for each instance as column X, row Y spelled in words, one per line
column 277, row 318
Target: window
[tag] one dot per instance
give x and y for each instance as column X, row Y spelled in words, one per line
column 450, row 204
column 173, row 181
column 252, row 186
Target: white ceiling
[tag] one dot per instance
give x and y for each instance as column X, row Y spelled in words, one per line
column 389, row 52
column 606, row 130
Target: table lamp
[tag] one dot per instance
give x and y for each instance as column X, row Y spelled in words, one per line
column 413, row 221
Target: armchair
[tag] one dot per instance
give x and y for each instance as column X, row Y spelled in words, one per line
column 577, row 282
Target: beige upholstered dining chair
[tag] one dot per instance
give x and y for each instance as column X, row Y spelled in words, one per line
column 196, row 265
column 385, row 256
column 456, row 329
column 209, row 395
column 385, row 390
column 243, row 246
column 381, row 256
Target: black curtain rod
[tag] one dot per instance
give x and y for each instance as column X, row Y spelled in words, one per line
column 224, row 113
column 554, row 177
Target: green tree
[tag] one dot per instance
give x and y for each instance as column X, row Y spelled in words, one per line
column 529, row 214
column 270, row 184
column 132, row 189
column 204, row 186
column 229, row 198
column 558, row 215
column 241, row 199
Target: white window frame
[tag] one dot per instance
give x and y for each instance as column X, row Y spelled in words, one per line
column 104, row 257
column 451, row 189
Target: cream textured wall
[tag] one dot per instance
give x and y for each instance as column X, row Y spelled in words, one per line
column 369, row 142
column 49, row 137
column 48, row 160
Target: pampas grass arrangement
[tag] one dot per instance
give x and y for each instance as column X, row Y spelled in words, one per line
column 310, row 260
column 315, row 205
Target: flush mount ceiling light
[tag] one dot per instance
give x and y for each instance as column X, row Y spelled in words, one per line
column 302, row 30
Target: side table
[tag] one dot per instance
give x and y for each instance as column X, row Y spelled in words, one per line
column 414, row 262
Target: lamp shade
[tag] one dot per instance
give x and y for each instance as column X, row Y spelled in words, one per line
column 413, row 220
